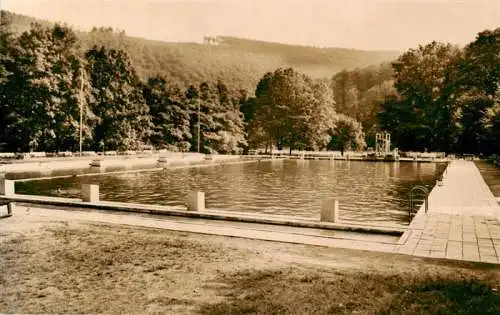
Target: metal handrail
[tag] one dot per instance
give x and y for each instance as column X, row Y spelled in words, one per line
column 426, row 193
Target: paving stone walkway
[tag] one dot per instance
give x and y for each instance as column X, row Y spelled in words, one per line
column 463, row 220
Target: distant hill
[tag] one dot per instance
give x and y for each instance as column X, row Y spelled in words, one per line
column 239, row 62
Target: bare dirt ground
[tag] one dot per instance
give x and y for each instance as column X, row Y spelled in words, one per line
column 78, row 267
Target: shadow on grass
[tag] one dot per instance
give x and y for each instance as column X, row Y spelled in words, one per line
column 297, row 292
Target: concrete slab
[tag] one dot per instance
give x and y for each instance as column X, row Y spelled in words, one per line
column 463, row 214
column 316, row 237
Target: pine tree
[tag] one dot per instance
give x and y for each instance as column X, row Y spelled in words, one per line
column 169, row 110
column 123, row 122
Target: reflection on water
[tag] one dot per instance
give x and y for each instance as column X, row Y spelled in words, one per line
column 367, row 191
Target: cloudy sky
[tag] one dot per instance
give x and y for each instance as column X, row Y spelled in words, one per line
column 361, row 24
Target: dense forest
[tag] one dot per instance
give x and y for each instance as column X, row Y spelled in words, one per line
column 239, row 62
column 435, row 97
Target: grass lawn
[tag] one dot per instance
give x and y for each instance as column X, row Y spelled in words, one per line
column 63, row 267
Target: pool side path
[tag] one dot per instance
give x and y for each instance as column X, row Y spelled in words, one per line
column 463, row 219
column 35, row 215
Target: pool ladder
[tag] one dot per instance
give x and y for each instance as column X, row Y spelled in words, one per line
column 423, row 190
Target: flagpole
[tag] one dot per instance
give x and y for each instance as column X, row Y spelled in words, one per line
column 198, row 126
column 81, row 109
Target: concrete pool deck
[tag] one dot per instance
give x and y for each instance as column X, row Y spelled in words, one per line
column 463, row 219
column 30, row 215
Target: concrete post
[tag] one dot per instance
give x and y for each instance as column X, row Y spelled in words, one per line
column 11, row 206
column 98, row 162
column 90, row 193
column 7, row 187
column 196, row 201
column 330, row 211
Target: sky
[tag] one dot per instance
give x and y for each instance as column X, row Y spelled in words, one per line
column 360, row 24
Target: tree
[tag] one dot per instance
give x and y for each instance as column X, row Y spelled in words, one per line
column 7, row 42
column 350, row 86
column 256, row 137
column 43, row 90
column 221, row 124
column 341, row 82
column 291, row 110
column 352, row 105
column 209, row 126
column 258, row 113
column 231, row 135
column 480, row 66
column 170, row 112
column 425, row 80
column 492, row 126
column 346, row 133
column 123, row 115
column 371, row 104
column 478, row 82
column 323, row 115
column 285, row 105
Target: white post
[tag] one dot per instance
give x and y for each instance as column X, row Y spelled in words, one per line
column 196, row 201
column 330, row 211
column 90, row 193
column 7, row 187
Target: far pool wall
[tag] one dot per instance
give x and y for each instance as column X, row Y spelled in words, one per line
column 113, row 161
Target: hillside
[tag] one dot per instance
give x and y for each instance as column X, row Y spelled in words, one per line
column 240, row 62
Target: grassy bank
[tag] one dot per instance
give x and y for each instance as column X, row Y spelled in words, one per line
column 491, row 175
column 494, row 159
column 79, row 268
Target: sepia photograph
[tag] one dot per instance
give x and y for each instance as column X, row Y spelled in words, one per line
column 250, row 157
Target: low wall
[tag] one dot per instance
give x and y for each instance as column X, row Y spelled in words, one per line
column 207, row 214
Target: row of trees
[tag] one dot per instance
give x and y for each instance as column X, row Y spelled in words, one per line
column 447, row 99
column 436, row 97
column 47, row 85
column 292, row 110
